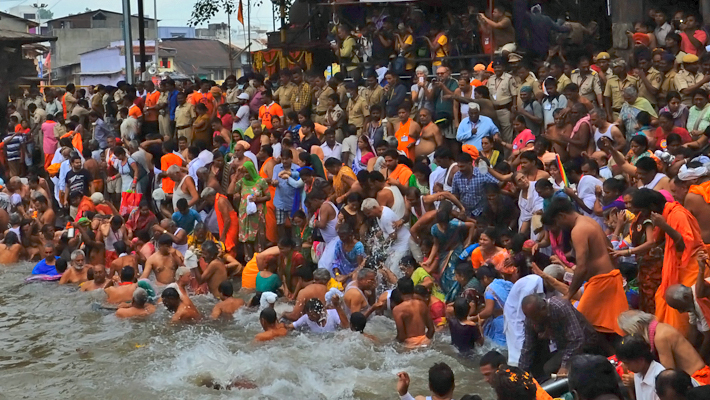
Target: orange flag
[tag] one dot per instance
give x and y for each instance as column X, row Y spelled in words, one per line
column 240, row 13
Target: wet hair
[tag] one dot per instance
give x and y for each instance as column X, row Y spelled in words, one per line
column 461, row 308
column 675, row 379
column 441, row 379
column 643, row 118
column 165, row 239
column 633, row 347
column 313, row 304
column 120, row 247
column 514, row 383
column 11, row 239
column 405, row 285
column 60, row 265
column 116, row 220
column 443, row 152
column 422, row 291
column 592, row 376
column 209, row 247
column 269, row 315
column 127, row 274
column 170, row 293
column 358, row 321
column 492, row 358
column 321, row 275
column 226, row 288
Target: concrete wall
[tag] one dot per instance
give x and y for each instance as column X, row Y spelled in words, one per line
column 167, row 32
column 103, row 60
column 105, row 80
column 13, row 24
column 72, row 42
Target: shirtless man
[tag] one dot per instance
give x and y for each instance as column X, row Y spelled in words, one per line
column 139, row 306
column 45, row 213
column 557, row 133
column 673, row 349
column 415, row 327
column 76, row 272
column 99, row 280
column 123, row 259
column 216, row 271
column 696, row 204
column 272, row 328
column 430, row 138
column 578, row 140
column 317, row 290
column 604, row 284
column 123, row 293
column 228, row 304
column 528, row 166
column 182, row 312
column 165, row 261
column 355, row 297
column 176, row 234
column 183, row 276
column 11, row 249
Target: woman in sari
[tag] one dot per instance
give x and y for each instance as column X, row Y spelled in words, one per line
column 251, row 188
column 349, row 255
column 420, row 178
column 487, row 150
column 489, row 253
column 448, row 244
column 140, row 218
column 647, row 243
column 495, row 295
column 365, row 156
column 679, row 110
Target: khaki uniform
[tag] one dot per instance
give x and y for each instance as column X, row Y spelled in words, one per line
column 343, row 94
column 615, row 91
column 655, row 78
column 683, row 80
column 321, row 105
column 562, row 83
column 185, row 115
column 283, row 95
column 357, row 111
column 589, row 85
column 232, row 94
column 373, row 96
column 531, row 81
column 503, row 90
column 667, row 85
column 164, row 117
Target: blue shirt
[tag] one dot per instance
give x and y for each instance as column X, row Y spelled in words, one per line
column 187, row 221
column 470, row 190
column 484, row 127
column 285, row 193
column 43, row 269
column 172, row 103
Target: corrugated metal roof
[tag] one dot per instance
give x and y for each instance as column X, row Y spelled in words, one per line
column 23, row 37
column 194, row 56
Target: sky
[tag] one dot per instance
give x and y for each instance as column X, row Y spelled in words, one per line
column 168, row 13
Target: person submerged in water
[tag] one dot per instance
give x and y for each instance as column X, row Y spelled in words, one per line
column 99, row 281
column 11, row 249
column 358, row 321
column 415, row 328
column 139, row 306
column 228, row 304
column 76, row 273
column 182, row 312
column 123, row 293
column 272, row 328
column 319, row 320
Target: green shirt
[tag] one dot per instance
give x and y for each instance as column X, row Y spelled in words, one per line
column 419, row 275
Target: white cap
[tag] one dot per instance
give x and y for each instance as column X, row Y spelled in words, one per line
column 243, row 96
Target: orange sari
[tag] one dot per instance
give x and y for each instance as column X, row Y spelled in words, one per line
column 231, row 237
column 272, row 233
column 678, row 267
column 402, row 173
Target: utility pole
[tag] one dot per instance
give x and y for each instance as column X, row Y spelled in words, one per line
column 249, row 29
column 229, row 33
column 128, row 41
column 141, row 37
column 157, row 36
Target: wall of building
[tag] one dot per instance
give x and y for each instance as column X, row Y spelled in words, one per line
column 72, row 42
column 103, row 60
column 13, row 24
column 167, row 32
column 106, row 80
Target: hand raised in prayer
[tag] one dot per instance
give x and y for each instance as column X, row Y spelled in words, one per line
column 403, row 383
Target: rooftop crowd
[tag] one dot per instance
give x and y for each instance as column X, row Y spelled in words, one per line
column 558, row 209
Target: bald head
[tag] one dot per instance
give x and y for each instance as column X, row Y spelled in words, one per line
column 534, row 307
column 680, row 297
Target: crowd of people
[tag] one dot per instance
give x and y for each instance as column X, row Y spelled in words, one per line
column 556, row 210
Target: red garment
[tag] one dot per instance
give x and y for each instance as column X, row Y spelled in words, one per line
column 688, row 47
column 227, row 121
column 438, row 312
column 661, row 137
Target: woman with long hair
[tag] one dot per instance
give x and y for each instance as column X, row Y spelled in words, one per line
column 495, row 295
column 365, row 155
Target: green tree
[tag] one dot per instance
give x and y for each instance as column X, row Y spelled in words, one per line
column 44, row 14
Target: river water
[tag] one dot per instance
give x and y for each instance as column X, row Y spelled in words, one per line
column 57, row 345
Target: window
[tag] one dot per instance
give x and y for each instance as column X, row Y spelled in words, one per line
column 28, row 16
column 164, row 62
column 177, row 35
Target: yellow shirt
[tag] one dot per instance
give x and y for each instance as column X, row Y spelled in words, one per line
column 655, row 78
column 502, row 89
column 589, row 85
column 562, row 83
column 347, row 53
column 668, row 85
column 442, row 51
column 615, row 89
column 683, row 80
column 185, row 115
column 357, row 111
column 373, row 96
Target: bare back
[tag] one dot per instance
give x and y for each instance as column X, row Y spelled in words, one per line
column 227, row 307
column 134, row 312
column 120, row 294
column 697, row 206
column 675, row 351
column 162, row 266
column 10, row 255
column 410, row 317
column 590, row 241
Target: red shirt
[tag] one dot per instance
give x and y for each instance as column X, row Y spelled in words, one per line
column 661, row 137
column 227, row 121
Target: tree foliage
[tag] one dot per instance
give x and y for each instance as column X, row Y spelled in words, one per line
column 205, row 10
column 45, row 14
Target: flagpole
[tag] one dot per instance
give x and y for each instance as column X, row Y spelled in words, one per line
column 229, row 27
column 249, row 29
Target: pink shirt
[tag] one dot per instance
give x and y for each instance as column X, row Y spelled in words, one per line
column 688, row 47
column 523, row 139
column 49, row 142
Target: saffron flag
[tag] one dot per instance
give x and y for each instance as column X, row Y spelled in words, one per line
column 48, row 61
column 240, row 13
